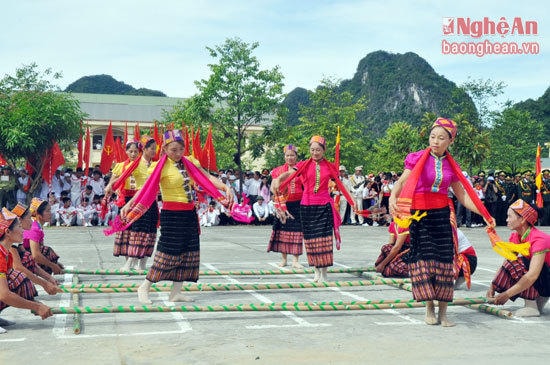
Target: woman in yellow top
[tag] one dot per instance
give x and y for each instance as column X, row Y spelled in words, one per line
column 138, row 241
column 178, row 250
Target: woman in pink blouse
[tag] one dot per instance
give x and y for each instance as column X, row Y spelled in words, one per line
column 429, row 174
column 320, row 219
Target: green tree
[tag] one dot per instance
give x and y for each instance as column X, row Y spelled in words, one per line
column 390, row 151
column 514, row 140
column 471, row 146
column 327, row 110
column 483, row 93
column 237, row 96
column 33, row 115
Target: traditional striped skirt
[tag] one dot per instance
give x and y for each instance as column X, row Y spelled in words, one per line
column 182, row 267
column 396, row 267
column 143, row 234
column 508, row 275
column 50, row 254
column 178, row 250
column 26, row 258
column 288, row 237
column 122, row 242
column 317, row 226
column 179, row 232
column 432, row 280
column 431, row 256
column 432, row 237
column 19, row 284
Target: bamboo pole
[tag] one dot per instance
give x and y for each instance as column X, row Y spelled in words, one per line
column 484, row 308
column 77, row 320
column 264, row 307
column 222, row 273
column 130, row 288
column 502, row 313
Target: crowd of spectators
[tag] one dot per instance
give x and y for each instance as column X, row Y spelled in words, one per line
column 76, row 196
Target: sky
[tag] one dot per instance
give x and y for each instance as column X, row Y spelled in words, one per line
column 162, row 44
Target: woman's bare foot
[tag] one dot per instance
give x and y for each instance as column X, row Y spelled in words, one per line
column 317, row 275
column 445, row 322
column 283, row 260
column 430, row 318
column 143, row 293
column 442, row 315
column 180, row 298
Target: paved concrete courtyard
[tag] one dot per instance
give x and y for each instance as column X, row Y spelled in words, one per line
column 388, row 336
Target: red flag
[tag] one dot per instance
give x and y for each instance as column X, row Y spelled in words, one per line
column 54, row 158
column 196, row 144
column 108, row 153
column 120, row 154
column 86, row 152
column 538, row 178
column 79, row 148
column 186, row 152
column 137, row 134
column 158, row 139
column 209, row 153
column 337, row 150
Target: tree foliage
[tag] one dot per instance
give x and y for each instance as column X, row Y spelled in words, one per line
column 237, row 95
column 327, row 110
column 33, row 115
column 539, row 110
column 483, row 93
column 514, row 140
column 400, row 139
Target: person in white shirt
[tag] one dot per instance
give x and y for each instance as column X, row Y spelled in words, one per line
column 78, row 184
column 57, row 183
column 357, row 181
column 66, row 213
column 343, row 204
column 235, row 184
column 97, row 183
column 211, row 215
column 54, row 206
column 84, row 213
column 24, row 185
column 66, row 180
column 88, row 193
column 261, row 211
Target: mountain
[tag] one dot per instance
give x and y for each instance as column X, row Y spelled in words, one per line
column 106, row 84
column 539, row 109
column 292, row 102
column 399, row 87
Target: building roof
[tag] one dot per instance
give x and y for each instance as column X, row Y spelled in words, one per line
column 125, row 107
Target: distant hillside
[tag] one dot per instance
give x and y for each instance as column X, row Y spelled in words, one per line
column 398, row 87
column 292, row 102
column 106, row 84
column 539, row 109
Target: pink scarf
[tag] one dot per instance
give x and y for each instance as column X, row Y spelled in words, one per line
column 148, row 194
column 336, row 220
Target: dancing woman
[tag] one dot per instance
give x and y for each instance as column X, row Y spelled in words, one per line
column 423, row 192
column 138, row 241
column 287, row 237
column 320, row 219
column 178, row 250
